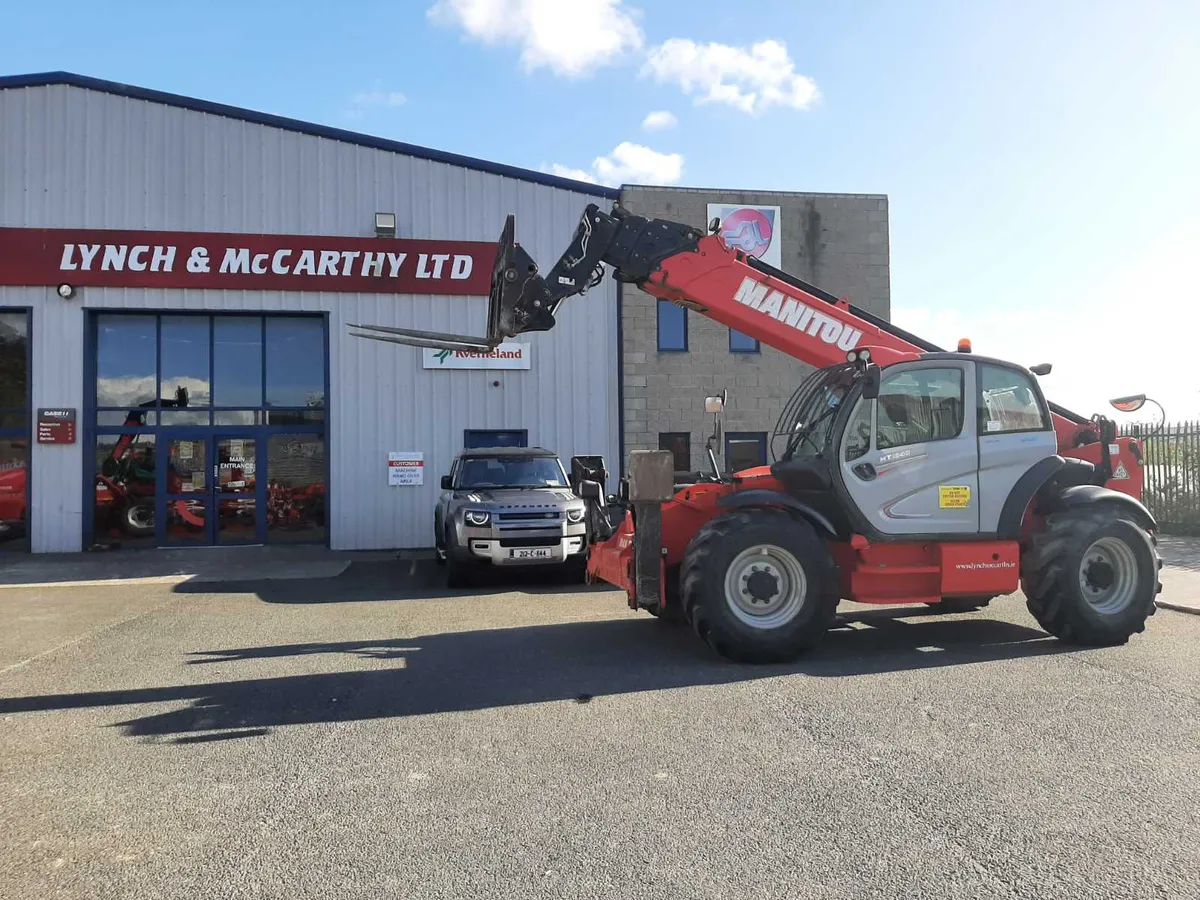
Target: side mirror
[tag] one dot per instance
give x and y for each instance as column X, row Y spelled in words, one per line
column 871, row 382
column 715, row 404
column 591, row 490
column 447, row 483
column 1041, row 369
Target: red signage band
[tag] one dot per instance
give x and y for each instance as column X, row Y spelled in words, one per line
column 253, row 262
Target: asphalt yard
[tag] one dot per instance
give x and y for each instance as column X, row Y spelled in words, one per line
column 375, row 735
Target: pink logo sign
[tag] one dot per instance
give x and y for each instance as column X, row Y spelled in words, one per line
column 748, row 230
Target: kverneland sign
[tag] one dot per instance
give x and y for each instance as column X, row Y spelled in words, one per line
column 248, row 262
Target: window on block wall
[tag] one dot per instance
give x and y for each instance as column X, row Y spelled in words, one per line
column 742, row 343
column 745, row 450
column 672, row 327
column 679, row 443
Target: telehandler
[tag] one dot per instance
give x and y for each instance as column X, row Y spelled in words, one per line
column 901, row 473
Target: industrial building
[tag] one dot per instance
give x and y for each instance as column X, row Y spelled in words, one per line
column 178, row 285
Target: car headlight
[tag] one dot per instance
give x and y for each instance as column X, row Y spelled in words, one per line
column 478, row 518
column 575, row 516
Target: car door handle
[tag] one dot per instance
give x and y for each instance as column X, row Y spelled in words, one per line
column 865, row 471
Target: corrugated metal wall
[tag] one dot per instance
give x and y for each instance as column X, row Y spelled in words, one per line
column 74, row 158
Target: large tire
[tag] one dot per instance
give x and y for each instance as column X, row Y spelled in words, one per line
column 759, row 586
column 1090, row 578
column 137, row 519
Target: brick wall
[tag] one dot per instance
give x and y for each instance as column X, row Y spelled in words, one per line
column 838, row 242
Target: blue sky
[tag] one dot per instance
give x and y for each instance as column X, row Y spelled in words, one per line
column 1042, row 160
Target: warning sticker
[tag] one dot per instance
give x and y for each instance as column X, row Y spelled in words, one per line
column 1121, row 471
column 954, row 496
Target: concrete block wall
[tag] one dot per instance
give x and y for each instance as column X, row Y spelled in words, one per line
column 838, row 242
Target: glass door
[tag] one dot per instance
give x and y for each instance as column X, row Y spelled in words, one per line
column 235, row 490
column 185, row 504
column 210, row 490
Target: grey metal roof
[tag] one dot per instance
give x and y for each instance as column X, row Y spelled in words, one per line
column 42, row 79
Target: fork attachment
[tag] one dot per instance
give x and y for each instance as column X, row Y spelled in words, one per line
column 520, row 300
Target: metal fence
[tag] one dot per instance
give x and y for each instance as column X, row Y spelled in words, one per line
column 1172, row 490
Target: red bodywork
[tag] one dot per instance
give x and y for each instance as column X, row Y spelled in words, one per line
column 717, row 282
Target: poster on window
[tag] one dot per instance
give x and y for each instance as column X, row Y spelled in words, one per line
column 406, row 468
column 755, row 230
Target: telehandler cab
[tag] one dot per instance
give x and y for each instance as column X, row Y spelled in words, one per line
column 902, row 474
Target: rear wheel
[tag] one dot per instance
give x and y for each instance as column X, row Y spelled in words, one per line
column 1091, row 577
column 759, row 586
column 137, row 520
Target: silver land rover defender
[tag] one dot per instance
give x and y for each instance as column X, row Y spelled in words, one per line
column 508, row 506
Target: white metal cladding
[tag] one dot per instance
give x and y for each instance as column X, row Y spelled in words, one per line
column 76, row 158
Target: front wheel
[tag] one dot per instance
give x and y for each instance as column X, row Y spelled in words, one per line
column 759, row 586
column 1091, row 576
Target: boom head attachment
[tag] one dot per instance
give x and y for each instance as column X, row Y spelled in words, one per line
column 518, row 302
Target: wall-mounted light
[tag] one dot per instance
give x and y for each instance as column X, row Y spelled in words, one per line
column 66, row 291
column 385, row 224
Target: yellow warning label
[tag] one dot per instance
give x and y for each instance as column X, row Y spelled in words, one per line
column 954, row 496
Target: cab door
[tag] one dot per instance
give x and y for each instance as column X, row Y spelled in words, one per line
column 910, row 459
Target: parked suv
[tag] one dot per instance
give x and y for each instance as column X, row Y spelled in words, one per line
column 508, row 506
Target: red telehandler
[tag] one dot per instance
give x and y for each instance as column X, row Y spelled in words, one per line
column 901, row 473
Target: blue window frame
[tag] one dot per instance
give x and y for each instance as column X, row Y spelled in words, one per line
column 745, row 450
column 245, row 392
column 672, row 327
column 475, row 438
column 742, row 343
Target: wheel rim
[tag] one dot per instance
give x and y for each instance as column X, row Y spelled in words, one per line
column 1108, row 576
column 141, row 517
column 765, row 586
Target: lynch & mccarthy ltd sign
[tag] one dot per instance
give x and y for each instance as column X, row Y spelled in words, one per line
column 254, row 262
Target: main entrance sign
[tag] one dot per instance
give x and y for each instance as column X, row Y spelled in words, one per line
column 256, row 262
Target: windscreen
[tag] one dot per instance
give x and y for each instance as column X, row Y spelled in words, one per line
column 511, row 472
column 804, row 426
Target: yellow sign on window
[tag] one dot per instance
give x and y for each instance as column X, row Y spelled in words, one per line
column 954, row 496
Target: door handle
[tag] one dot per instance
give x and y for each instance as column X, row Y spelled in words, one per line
column 865, row 471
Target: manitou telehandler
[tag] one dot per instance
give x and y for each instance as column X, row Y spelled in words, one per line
column 902, row 474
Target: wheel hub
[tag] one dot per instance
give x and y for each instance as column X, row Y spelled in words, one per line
column 762, row 584
column 1108, row 576
column 765, row 586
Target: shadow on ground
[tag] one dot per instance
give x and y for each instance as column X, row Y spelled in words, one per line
column 396, row 579
column 571, row 662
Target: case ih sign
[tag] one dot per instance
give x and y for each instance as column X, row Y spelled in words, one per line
column 56, row 426
column 248, row 262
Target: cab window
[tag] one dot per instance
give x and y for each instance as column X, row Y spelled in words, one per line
column 919, row 405
column 858, row 432
column 1008, row 402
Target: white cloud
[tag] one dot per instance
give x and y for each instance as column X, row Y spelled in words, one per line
column 379, row 98
column 751, row 79
column 659, row 119
column 570, row 37
column 628, row 163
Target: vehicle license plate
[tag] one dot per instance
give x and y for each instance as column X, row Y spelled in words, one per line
column 532, row 553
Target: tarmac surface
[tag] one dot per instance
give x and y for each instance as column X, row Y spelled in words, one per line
column 375, row 735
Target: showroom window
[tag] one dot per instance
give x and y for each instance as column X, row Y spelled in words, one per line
column 672, row 327
column 742, row 343
column 745, row 450
column 477, row 438
column 14, row 430
column 208, row 429
column 679, row 443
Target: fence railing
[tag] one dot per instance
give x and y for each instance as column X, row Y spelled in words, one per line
column 1172, row 489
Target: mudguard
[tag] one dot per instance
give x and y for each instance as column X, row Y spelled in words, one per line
column 742, row 499
column 1082, row 495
